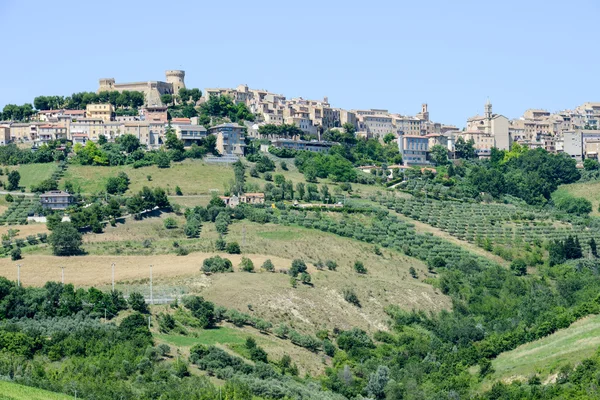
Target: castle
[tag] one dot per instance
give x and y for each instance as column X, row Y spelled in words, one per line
column 151, row 89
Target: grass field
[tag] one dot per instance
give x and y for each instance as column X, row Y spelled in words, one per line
column 31, row 174
column 545, row 356
column 13, row 391
column 233, row 338
column 588, row 190
column 192, row 176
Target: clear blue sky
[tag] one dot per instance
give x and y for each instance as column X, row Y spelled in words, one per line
column 374, row 54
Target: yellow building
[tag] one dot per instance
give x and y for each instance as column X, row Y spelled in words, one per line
column 104, row 112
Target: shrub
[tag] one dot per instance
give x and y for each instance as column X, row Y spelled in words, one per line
column 178, row 191
column 413, row 272
column 217, row 264
column 182, row 251
column 170, row 223
column 146, row 243
column 268, row 266
column 247, row 265
column 268, row 176
column 220, row 244
column 305, row 278
column 233, row 248
column 359, row 267
column 15, row 254
column 351, row 297
column 9, row 198
column 331, row 265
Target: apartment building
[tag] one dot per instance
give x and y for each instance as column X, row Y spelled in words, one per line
column 409, row 125
column 103, row 111
column 52, row 132
column 377, row 125
column 413, row 149
column 24, row 132
column 230, row 138
column 190, row 134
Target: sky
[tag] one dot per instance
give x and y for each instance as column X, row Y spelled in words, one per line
column 394, row 55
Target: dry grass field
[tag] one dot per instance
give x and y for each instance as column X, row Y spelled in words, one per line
column 270, row 295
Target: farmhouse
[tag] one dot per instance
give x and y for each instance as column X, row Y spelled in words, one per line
column 56, row 200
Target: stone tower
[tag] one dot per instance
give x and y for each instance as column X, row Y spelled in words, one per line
column 107, row 84
column 488, row 110
column 176, row 78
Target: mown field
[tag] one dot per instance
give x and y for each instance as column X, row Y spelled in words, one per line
column 544, row 357
column 31, row 174
column 192, row 176
column 587, row 190
column 13, row 391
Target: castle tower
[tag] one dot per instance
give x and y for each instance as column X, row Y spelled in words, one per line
column 176, row 78
column 107, row 84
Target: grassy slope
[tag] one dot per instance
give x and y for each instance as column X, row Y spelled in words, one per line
column 545, row 356
column 233, row 338
column 31, row 174
column 13, row 391
column 588, row 190
column 192, row 176
column 270, row 294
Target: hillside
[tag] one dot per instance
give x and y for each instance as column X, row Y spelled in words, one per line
column 544, row 357
column 269, row 294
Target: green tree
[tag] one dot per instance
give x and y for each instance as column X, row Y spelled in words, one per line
column 519, row 267
column 268, row 266
column 247, row 265
column 439, row 154
column 298, row 267
column 65, row 240
column 13, row 180
column 464, row 149
column 138, row 303
column 166, row 99
column 128, row 143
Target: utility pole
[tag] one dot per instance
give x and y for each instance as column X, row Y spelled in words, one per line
column 113, row 276
column 151, row 294
column 63, row 274
column 18, row 275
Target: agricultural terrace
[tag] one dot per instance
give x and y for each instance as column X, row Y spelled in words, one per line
column 505, row 229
